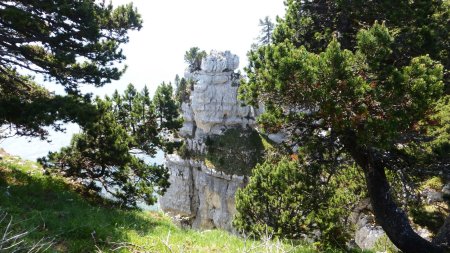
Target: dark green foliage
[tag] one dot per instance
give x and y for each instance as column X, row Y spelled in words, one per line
column 422, row 26
column 291, row 199
column 267, row 27
column 26, row 113
column 437, row 128
column 165, row 106
column 183, row 90
column 167, row 114
column 341, row 85
column 236, row 151
column 194, row 57
column 69, row 42
column 346, row 88
column 135, row 112
column 102, row 155
column 51, row 37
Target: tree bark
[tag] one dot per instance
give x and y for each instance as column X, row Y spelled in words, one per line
column 443, row 236
column 388, row 215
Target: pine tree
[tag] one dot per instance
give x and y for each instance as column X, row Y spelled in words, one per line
column 67, row 42
column 337, row 80
column 267, row 27
column 166, row 108
column 194, row 57
column 104, row 154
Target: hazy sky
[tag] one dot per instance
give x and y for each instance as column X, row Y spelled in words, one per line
column 155, row 53
column 171, row 27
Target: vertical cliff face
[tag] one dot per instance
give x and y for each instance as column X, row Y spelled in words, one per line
column 204, row 178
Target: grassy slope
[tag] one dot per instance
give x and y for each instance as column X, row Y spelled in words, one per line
column 52, row 211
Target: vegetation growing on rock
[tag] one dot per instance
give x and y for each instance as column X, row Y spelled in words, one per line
column 236, row 151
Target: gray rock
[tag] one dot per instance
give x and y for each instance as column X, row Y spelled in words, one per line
column 277, row 137
column 446, row 190
column 432, row 196
column 368, row 232
column 367, row 235
column 220, row 62
column 198, row 196
column 214, row 105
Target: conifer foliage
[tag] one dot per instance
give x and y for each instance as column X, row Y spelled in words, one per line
column 348, row 88
column 286, row 198
column 70, row 42
column 267, row 27
column 194, row 57
column 108, row 154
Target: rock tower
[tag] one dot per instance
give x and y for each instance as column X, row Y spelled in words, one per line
column 201, row 195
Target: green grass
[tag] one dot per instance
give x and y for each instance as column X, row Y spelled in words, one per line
column 54, row 212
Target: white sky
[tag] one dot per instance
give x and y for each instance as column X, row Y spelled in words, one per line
column 155, row 53
column 171, row 27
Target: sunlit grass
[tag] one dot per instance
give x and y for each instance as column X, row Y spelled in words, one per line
column 51, row 210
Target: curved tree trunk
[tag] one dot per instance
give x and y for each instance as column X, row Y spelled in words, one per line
column 388, row 215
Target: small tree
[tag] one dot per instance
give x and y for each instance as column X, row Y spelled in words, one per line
column 194, row 57
column 267, row 27
column 166, row 108
column 184, row 90
column 291, row 199
column 102, row 156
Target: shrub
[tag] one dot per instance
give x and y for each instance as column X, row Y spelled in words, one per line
column 292, row 199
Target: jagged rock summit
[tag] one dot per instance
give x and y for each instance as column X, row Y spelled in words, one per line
column 200, row 195
column 217, row 62
column 213, row 103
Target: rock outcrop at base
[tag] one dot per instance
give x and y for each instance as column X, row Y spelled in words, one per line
column 198, row 196
column 201, row 194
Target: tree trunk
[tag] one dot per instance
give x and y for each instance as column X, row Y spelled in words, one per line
column 443, row 236
column 388, row 215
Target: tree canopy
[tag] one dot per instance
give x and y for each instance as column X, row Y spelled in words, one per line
column 348, row 88
column 194, row 57
column 104, row 155
column 67, row 42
